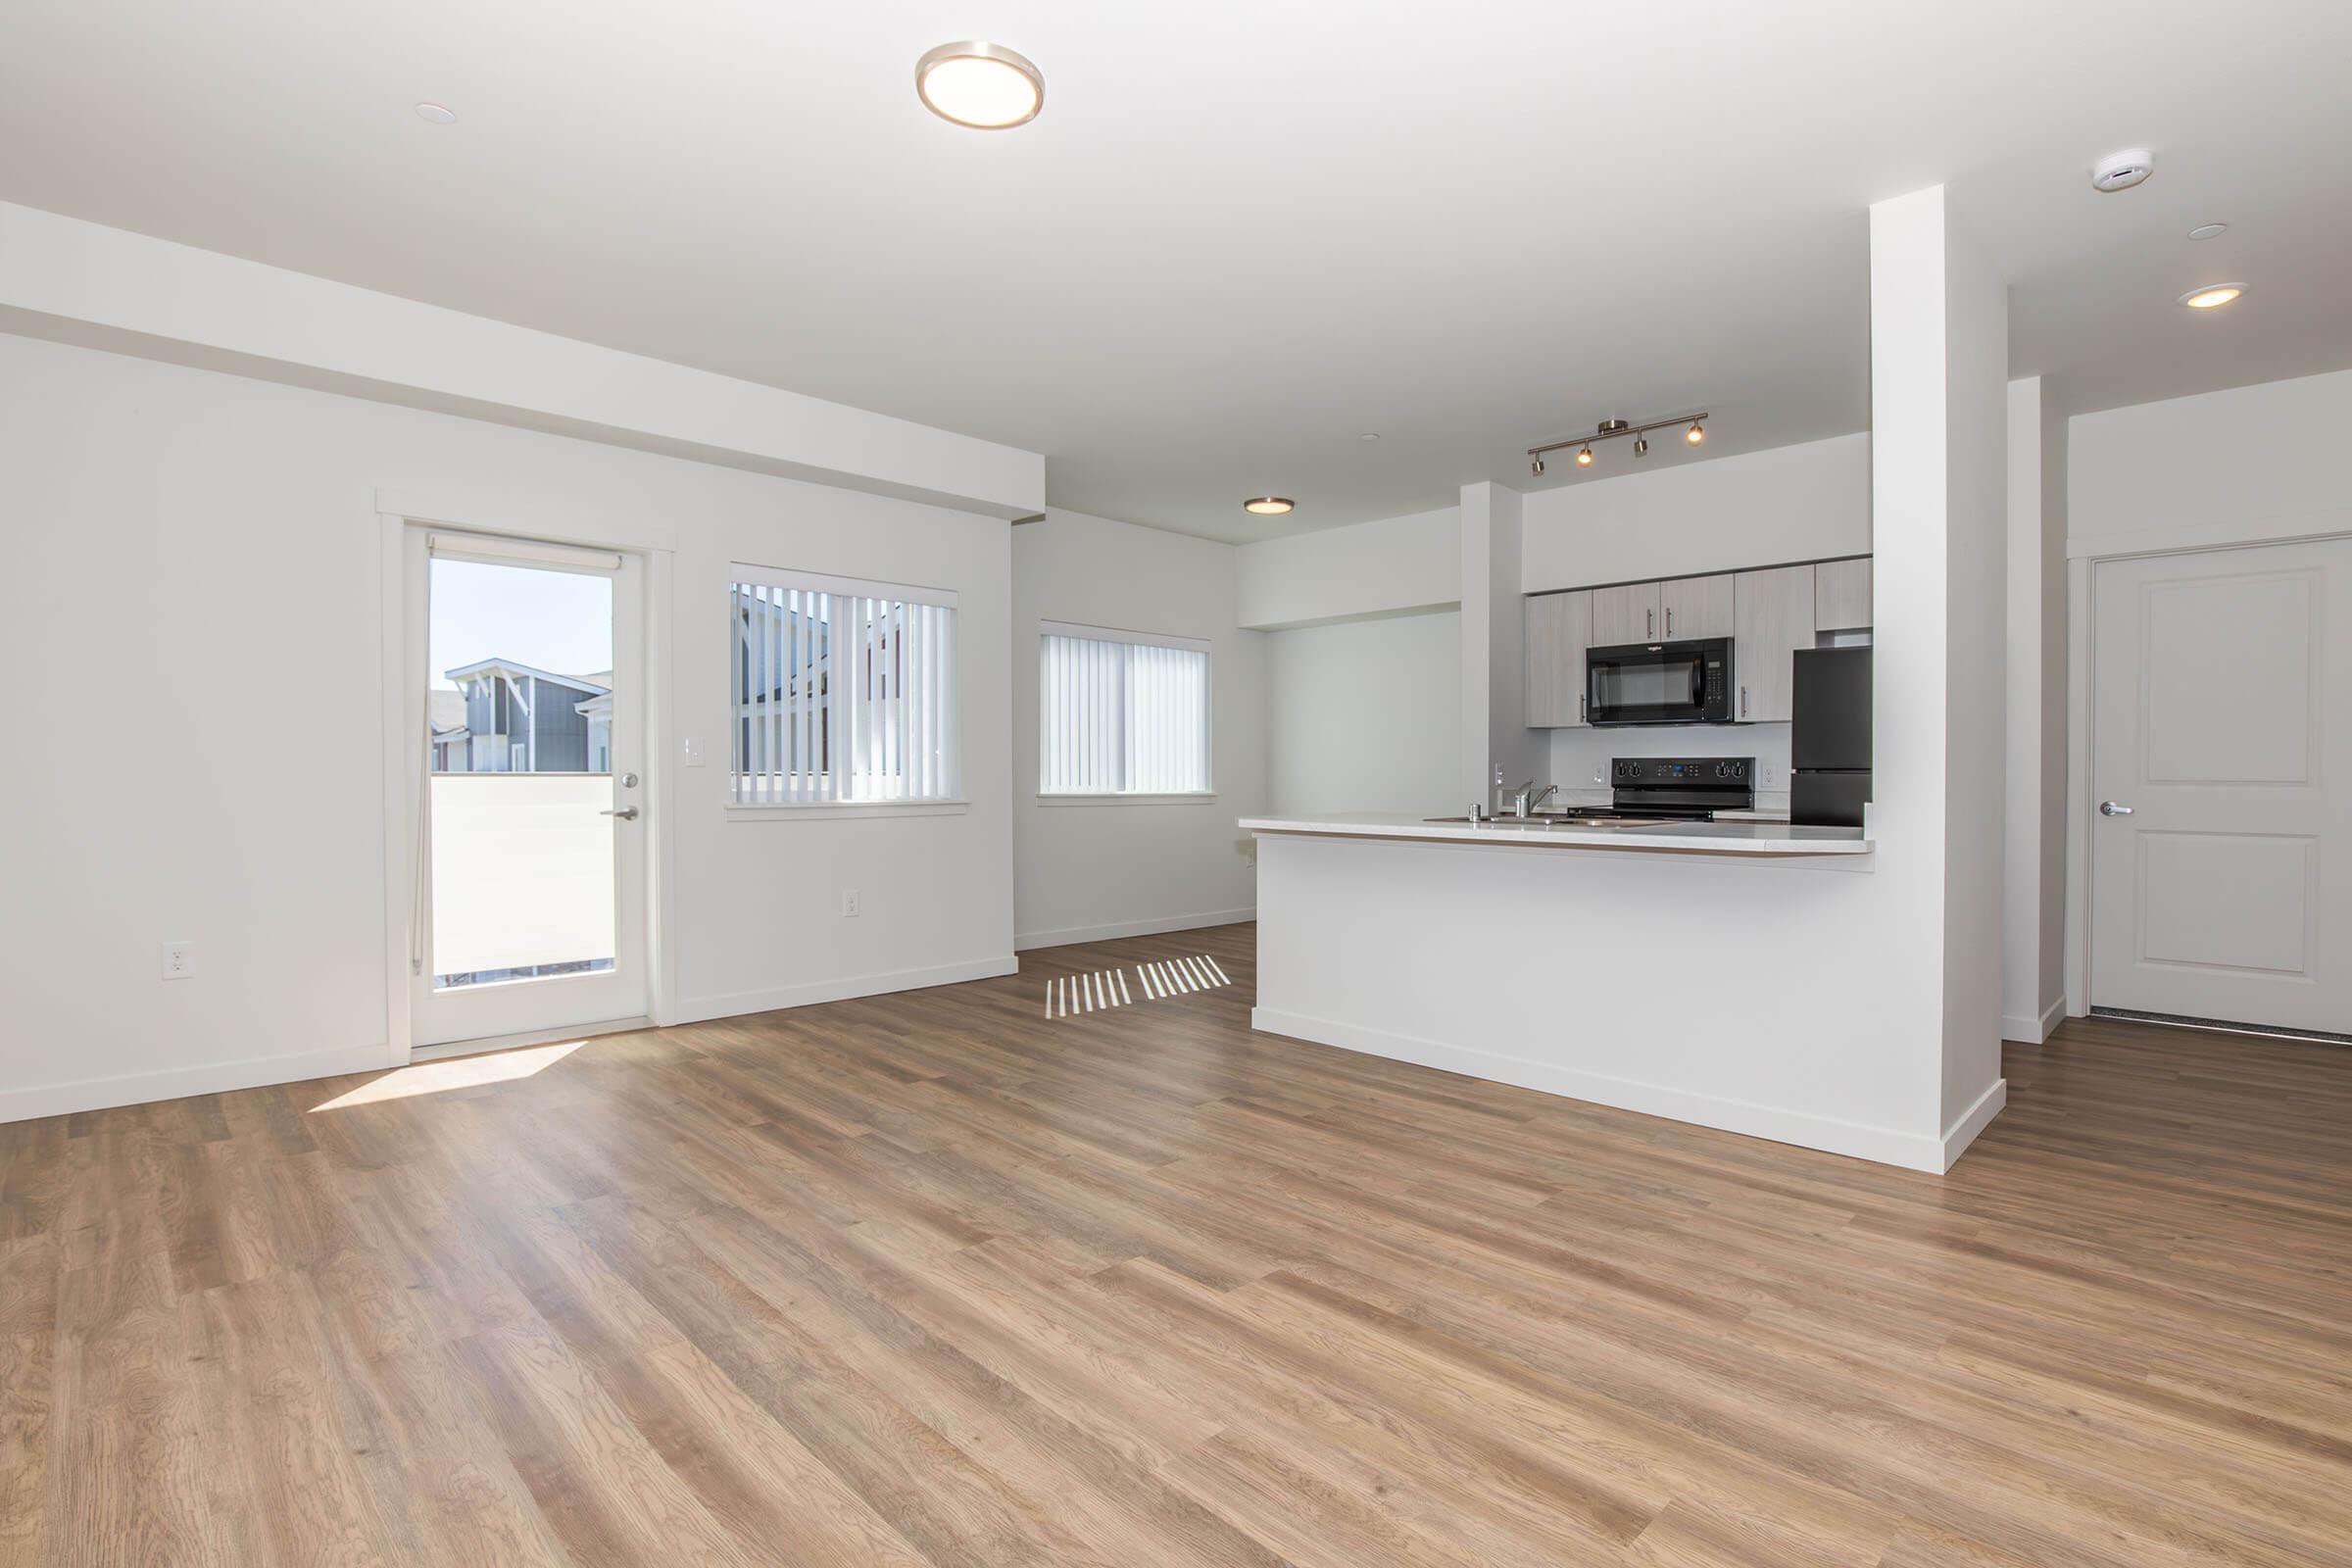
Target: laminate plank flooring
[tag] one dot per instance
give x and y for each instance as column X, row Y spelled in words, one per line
column 938, row 1279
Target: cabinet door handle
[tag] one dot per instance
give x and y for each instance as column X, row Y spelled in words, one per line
column 1744, row 699
column 1669, row 620
column 1649, row 624
column 1580, row 708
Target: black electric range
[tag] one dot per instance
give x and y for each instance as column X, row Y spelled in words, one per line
column 1674, row 789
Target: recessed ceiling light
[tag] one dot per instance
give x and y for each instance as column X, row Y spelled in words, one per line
column 1268, row 506
column 2213, row 296
column 985, row 86
column 2122, row 171
column 2208, row 232
column 436, row 114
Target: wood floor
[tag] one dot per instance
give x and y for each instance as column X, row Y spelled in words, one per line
column 934, row 1278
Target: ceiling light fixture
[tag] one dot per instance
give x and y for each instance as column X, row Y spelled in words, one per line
column 436, row 114
column 2213, row 296
column 984, row 86
column 2209, row 231
column 1616, row 427
column 1268, row 506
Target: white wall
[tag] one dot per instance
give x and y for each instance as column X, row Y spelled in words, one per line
column 1091, row 871
column 1759, row 508
column 190, row 549
column 1362, row 715
column 2032, row 979
column 105, row 288
column 1366, row 568
column 2242, row 467
column 1494, row 732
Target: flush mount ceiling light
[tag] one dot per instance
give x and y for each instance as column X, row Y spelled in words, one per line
column 1268, row 506
column 984, row 86
column 2209, row 231
column 1615, row 427
column 2122, row 170
column 2213, row 296
column 436, row 114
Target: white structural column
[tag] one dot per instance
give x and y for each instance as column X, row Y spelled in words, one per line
column 2033, row 835
column 1494, row 718
column 1938, row 491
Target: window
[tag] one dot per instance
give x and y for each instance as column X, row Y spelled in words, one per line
column 1122, row 714
column 843, row 690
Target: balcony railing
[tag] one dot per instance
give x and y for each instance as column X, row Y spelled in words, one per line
column 522, row 870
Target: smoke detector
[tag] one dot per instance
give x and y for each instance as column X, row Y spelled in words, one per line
column 2122, row 171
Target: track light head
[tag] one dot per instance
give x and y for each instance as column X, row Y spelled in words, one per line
column 1538, row 467
column 1641, row 446
column 1584, row 459
column 1696, row 434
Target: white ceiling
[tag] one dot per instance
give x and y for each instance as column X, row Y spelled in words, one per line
column 1241, row 235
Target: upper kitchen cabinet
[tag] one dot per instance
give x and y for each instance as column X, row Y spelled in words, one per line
column 1624, row 613
column 1842, row 595
column 1774, row 618
column 1560, row 628
column 1697, row 607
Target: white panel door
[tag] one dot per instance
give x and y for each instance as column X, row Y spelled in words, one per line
column 2222, row 745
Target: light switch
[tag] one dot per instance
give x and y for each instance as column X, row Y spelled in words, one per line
column 694, row 751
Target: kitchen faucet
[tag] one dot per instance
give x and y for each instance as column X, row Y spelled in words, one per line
column 1526, row 798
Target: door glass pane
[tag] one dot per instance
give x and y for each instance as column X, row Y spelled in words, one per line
column 519, row 697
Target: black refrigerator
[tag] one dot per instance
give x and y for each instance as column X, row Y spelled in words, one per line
column 1828, row 744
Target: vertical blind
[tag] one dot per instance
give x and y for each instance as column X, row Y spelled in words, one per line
column 1122, row 714
column 844, row 691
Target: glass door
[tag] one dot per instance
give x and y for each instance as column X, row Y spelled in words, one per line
column 530, row 897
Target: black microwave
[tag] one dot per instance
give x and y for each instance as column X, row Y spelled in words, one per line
column 1660, row 683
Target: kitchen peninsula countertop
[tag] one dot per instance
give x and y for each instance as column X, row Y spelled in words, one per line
column 1735, row 838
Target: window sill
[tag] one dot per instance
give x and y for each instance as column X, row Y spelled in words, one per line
column 1203, row 797
column 815, row 811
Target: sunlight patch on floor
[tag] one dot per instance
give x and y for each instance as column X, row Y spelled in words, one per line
column 1068, row 995
column 459, row 1072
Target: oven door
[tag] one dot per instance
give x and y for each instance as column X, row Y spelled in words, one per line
column 1660, row 683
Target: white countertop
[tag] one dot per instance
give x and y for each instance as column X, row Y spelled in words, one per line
column 1751, row 838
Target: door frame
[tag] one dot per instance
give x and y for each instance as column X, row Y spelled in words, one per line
column 402, row 575
column 2081, row 745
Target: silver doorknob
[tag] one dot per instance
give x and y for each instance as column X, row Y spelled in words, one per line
column 627, row 813
column 2114, row 808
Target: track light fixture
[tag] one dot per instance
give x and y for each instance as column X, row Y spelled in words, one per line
column 1695, row 434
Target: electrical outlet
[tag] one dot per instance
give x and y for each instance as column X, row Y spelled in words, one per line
column 179, row 960
column 1767, row 776
column 848, row 904
column 694, row 751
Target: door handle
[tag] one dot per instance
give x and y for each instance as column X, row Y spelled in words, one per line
column 1580, row 708
column 1669, row 620
column 2114, row 808
column 1650, row 626
column 627, row 813
column 1743, row 700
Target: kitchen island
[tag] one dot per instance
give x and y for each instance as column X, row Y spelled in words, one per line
column 1704, row 971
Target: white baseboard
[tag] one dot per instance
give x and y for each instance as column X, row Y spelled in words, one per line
column 2032, row 1031
column 178, row 1083
column 1974, row 1120
column 734, row 1004
column 1130, row 928
column 1886, row 1146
